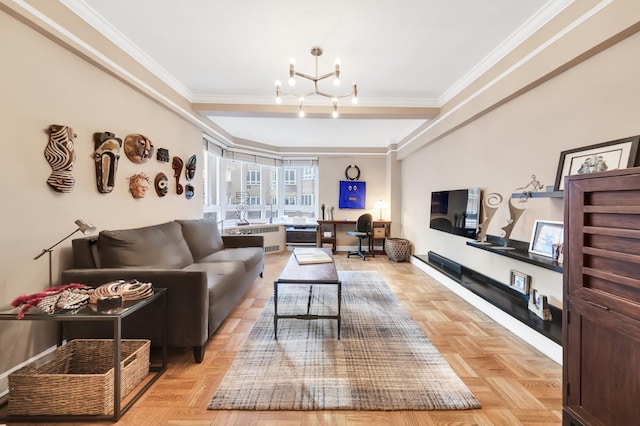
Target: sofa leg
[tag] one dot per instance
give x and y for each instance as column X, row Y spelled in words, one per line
column 262, row 274
column 198, row 354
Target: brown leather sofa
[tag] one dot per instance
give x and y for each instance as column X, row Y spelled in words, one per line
column 206, row 276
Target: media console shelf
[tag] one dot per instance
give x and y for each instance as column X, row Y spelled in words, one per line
column 498, row 294
column 520, row 252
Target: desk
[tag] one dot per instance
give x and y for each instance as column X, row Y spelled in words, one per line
column 333, row 226
column 86, row 313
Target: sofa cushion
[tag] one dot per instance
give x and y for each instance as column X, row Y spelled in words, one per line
column 249, row 256
column 222, row 279
column 202, row 236
column 161, row 246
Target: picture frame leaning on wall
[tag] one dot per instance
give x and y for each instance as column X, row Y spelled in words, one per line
column 545, row 234
column 612, row 155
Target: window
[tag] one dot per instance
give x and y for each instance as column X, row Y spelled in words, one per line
column 308, row 173
column 289, row 176
column 253, row 177
column 306, row 199
column 230, row 182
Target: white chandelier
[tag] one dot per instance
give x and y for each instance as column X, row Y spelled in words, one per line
column 315, row 51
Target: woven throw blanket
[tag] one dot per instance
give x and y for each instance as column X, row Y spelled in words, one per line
column 384, row 361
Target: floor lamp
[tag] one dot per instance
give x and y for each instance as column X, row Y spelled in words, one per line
column 84, row 227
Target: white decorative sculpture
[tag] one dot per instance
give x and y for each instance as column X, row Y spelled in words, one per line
column 491, row 204
column 515, row 214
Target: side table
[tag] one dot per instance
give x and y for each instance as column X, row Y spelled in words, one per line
column 115, row 316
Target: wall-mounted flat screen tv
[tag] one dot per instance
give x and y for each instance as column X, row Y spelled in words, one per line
column 456, row 211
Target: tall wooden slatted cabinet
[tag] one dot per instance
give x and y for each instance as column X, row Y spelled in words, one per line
column 601, row 321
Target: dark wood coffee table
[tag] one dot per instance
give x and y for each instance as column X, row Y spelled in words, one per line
column 312, row 274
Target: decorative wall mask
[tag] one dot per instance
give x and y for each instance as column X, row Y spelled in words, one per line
column 189, row 191
column 190, row 168
column 139, row 184
column 60, row 154
column 176, row 165
column 189, row 173
column 163, row 155
column 161, row 183
column 348, row 172
column 138, row 148
column 106, row 156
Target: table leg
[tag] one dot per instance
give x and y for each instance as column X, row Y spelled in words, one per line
column 339, row 307
column 275, row 310
column 164, row 332
column 117, row 339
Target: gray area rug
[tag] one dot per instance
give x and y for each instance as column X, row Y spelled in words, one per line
column 383, row 361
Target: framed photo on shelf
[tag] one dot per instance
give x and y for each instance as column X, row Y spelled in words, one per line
column 545, row 234
column 612, row 155
column 520, row 281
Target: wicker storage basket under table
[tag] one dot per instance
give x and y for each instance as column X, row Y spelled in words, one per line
column 398, row 249
column 79, row 378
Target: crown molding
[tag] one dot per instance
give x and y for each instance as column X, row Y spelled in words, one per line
column 89, row 15
column 523, row 61
column 533, row 24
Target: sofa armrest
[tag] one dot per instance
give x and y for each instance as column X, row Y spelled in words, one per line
column 236, row 241
column 187, row 297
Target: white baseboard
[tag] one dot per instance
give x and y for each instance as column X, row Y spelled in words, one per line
column 4, row 377
column 526, row 333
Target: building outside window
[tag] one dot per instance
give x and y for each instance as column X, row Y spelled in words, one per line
column 289, row 176
column 308, row 173
column 306, row 200
column 253, row 177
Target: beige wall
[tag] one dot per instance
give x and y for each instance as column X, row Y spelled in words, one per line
column 596, row 101
column 372, row 171
column 44, row 84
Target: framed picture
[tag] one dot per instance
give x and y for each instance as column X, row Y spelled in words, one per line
column 612, row 155
column 352, row 194
column 545, row 234
column 520, row 281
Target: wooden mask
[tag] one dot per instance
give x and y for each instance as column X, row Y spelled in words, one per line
column 138, row 148
column 60, row 155
column 106, row 156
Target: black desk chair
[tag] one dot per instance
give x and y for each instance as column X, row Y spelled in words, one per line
column 363, row 231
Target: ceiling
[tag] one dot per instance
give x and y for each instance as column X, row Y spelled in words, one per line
column 226, row 56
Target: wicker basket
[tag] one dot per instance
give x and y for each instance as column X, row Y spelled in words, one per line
column 398, row 249
column 78, row 380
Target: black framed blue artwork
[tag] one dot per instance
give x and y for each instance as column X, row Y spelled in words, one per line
column 352, row 194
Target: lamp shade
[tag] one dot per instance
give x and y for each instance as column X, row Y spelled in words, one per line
column 84, row 227
column 380, row 204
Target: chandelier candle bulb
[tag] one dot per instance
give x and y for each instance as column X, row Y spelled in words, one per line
column 316, row 51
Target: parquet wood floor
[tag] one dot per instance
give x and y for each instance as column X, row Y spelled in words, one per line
column 516, row 384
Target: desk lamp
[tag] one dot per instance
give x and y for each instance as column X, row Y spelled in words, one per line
column 380, row 204
column 84, row 227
